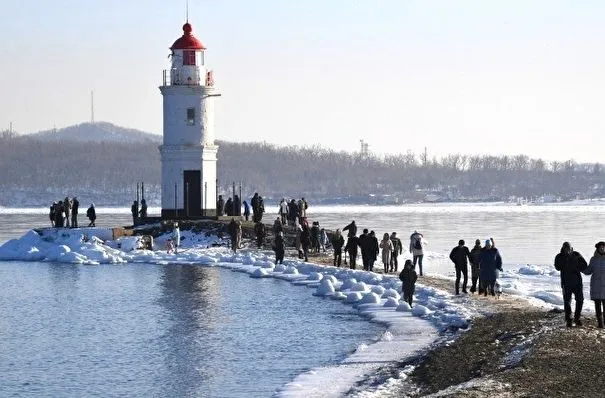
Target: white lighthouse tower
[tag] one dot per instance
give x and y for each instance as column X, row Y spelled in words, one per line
column 188, row 152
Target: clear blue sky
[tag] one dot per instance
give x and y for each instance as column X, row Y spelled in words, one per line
column 499, row 77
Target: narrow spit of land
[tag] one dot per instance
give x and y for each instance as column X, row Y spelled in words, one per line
column 511, row 349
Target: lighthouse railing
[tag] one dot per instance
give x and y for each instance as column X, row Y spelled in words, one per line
column 177, row 77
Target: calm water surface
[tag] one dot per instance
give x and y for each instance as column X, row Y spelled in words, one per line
column 150, row 330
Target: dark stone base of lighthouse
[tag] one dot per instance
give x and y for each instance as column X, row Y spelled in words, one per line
column 181, row 214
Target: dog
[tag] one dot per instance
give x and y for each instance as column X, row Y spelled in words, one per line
column 497, row 290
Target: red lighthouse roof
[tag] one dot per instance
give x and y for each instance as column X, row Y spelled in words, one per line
column 187, row 41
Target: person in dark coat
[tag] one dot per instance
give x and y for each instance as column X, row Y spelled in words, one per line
column 570, row 263
column 277, row 226
column 229, row 207
column 237, row 206
column 408, row 279
column 375, row 249
column 59, row 214
column 459, row 256
column 261, row 208
column 352, row 228
column 51, row 214
column 279, row 247
column 351, row 248
column 397, row 250
column 305, row 240
column 235, row 232
column 490, row 263
column 91, row 214
column 143, row 211
column 292, row 212
column 254, row 203
column 134, row 210
column 315, row 236
column 246, row 210
column 366, row 245
column 596, row 270
column 74, row 212
column 337, row 243
column 261, row 233
column 475, row 254
column 220, row 206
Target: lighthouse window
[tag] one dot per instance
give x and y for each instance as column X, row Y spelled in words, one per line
column 190, row 116
column 188, row 57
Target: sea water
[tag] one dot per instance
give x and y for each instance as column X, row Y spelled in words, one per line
column 143, row 329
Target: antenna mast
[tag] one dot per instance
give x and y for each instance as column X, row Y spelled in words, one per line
column 92, row 106
column 186, row 10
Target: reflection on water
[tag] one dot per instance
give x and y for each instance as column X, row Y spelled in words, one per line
column 191, row 297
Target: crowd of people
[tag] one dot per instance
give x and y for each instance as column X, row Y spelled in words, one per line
column 64, row 213
column 138, row 213
column 571, row 265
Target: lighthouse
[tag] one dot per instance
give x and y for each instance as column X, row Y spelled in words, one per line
column 188, row 152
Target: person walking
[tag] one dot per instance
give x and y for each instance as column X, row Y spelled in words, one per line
column 220, row 206
column 365, row 244
column 323, row 239
column 571, row 263
column 92, row 215
column 475, row 254
column 278, row 226
column 67, row 209
column 596, row 270
column 75, row 205
column 387, row 248
column 235, row 233
column 459, row 256
column 176, row 237
column 417, row 249
column 134, row 210
column 283, row 210
column 279, row 247
column 246, row 210
column 260, row 231
column 408, row 279
column 143, row 211
column 351, row 248
column 51, row 214
column 337, row 243
column 490, row 263
column 292, row 212
column 397, row 250
column 305, row 240
column 375, row 249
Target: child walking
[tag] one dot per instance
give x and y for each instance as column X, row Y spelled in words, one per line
column 408, row 278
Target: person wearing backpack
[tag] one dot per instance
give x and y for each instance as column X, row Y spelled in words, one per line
column 408, row 279
column 416, row 248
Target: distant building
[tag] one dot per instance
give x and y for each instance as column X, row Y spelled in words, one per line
column 188, row 153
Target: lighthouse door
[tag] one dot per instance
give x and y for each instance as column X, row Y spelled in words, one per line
column 193, row 193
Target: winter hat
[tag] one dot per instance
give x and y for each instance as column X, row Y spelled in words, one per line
column 566, row 245
column 488, row 242
column 601, row 243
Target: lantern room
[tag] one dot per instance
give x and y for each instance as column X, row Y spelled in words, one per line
column 187, row 54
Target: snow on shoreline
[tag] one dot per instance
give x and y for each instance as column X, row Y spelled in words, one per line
column 377, row 297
